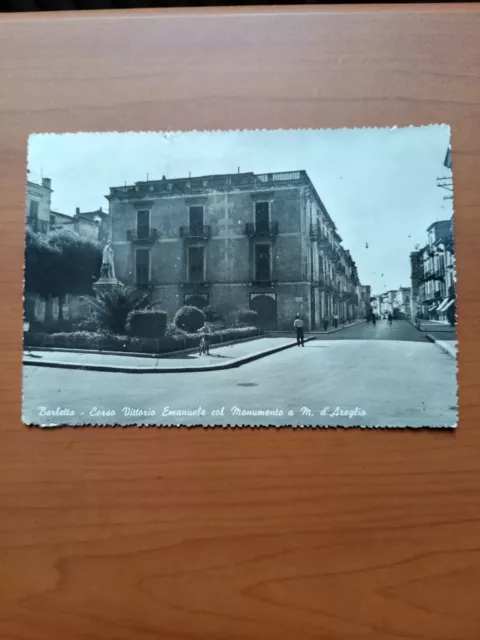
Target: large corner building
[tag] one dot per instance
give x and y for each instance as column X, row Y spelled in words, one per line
column 233, row 242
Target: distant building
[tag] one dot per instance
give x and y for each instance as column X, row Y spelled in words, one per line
column 37, row 205
column 234, row 241
column 93, row 224
column 404, row 297
column 365, row 299
column 433, row 273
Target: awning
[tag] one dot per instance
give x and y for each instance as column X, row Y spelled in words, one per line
column 442, row 306
column 434, row 306
column 449, row 304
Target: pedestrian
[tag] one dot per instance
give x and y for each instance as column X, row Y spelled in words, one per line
column 335, row 320
column 205, row 342
column 374, row 319
column 325, row 322
column 390, row 317
column 298, row 326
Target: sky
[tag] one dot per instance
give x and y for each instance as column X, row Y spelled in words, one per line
column 378, row 185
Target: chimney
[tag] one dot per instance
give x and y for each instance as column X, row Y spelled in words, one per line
column 238, row 170
column 164, row 178
column 77, row 211
column 47, row 183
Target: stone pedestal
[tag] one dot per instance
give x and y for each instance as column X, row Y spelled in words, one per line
column 106, row 282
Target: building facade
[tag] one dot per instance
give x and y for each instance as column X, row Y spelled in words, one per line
column 93, row 224
column 37, row 205
column 235, row 241
column 433, row 274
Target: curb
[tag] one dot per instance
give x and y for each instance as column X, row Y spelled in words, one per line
column 154, row 356
column 214, row 367
column 452, row 352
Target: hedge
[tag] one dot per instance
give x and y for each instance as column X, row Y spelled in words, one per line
column 147, row 323
column 248, row 317
column 189, row 318
column 110, row 342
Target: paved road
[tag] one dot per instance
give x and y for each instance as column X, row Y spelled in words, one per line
column 398, row 330
column 390, row 382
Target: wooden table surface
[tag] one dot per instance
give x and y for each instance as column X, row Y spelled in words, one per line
column 189, row 534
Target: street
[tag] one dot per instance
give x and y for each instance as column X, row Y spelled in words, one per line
column 365, row 375
column 398, row 330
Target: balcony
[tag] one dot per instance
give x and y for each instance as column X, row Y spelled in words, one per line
column 433, row 274
column 263, row 230
column 202, row 232
column 262, row 282
column 196, row 283
column 147, row 236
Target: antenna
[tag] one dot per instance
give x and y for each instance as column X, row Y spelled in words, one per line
column 147, row 177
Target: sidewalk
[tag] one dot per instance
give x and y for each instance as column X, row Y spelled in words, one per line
column 435, row 326
column 221, row 357
column 449, row 346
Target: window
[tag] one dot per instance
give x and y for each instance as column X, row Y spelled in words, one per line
column 195, row 264
column 262, row 262
column 142, row 266
column 195, row 220
column 43, row 226
column 143, row 225
column 262, row 216
column 33, row 214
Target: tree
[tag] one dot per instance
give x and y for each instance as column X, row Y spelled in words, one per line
column 42, row 266
column 62, row 263
column 81, row 261
column 113, row 307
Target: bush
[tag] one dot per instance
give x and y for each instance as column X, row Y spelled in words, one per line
column 211, row 315
column 90, row 324
column 55, row 326
column 247, row 317
column 113, row 307
column 189, row 319
column 147, row 323
column 93, row 341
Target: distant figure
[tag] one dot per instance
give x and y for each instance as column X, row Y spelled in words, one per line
column 335, row 320
column 298, row 326
column 374, row 319
column 325, row 322
column 204, row 346
column 390, row 317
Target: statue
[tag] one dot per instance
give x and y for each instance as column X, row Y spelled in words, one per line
column 108, row 266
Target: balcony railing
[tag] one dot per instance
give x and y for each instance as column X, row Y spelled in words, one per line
column 433, row 274
column 262, row 282
column 144, row 237
column 195, row 233
column 197, row 283
column 270, row 229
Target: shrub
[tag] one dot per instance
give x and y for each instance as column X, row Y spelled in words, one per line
column 189, row 319
column 90, row 324
column 247, row 317
column 147, row 323
column 112, row 307
column 102, row 341
column 211, row 315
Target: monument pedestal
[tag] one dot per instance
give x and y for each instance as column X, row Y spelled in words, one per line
column 106, row 282
column 104, row 285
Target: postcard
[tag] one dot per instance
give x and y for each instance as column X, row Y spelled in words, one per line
column 270, row 278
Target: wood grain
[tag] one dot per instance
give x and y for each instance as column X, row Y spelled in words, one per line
column 113, row 534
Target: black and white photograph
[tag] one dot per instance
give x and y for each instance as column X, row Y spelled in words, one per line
column 268, row 278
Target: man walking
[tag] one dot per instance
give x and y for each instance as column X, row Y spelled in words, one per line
column 335, row 320
column 298, row 326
